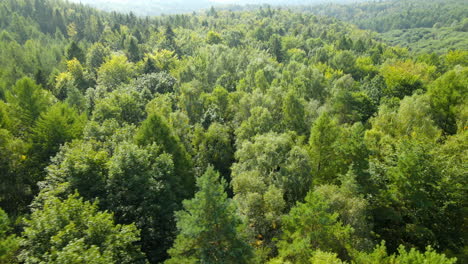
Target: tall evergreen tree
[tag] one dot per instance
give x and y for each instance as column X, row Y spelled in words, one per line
column 134, row 53
column 74, row 51
column 208, row 227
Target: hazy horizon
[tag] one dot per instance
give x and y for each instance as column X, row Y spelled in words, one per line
column 158, row 7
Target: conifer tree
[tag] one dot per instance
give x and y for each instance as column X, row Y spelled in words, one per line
column 74, row 51
column 209, row 227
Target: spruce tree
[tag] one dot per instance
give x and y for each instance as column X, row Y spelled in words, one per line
column 209, row 227
column 74, row 51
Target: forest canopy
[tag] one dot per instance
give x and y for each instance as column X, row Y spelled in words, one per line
column 261, row 135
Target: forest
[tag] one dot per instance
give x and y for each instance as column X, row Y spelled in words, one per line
column 263, row 135
column 421, row 26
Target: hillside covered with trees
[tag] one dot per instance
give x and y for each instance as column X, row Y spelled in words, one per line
column 259, row 136
column 162, row 7
column 421, row 26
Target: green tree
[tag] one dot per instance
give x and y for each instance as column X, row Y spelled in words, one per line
column 352, row 107
column 213, row 38
column 28, row 101
column 448, row 95
column 309, row 83
column 56, row 126
column 115, row 71
column 403, row 78
column 155, row 129
column 323, row 140
column 125, row 106
column 275, row 47
column 96, row 56
column 9, row 244
column 83, row 165
column 74, row 231
column 294, row 114
column 149, row 85
column 134, row 53
column 209, row 229
column 74, row 51
column 214, row 146
column 259, row 122
column 411, row 119
column 261, row 81
column 272, row 173
column 168, row 41
column 310, row 226
column 414, row 204
column 15, row 183
column 78, row 74
column 380, row 255
column 345, row 61
column 142, row 189
column 352, row 208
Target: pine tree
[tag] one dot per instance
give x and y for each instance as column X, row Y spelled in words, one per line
column 74, row 51
column 134, row 53
column 208, row 227
column 275, row 47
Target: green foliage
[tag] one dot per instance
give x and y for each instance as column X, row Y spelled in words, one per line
column 379, row 255
column 213, row 38
column 142, row 189
column 350, row 104
column 69, row 230
column 323, row 149
column 447, row 95
column 388, row 15
column 115, row 71
column 214, row 146
column 134, row 53
column 83, row 165
column 403, row 78
column 271, row 174
column 28, row 101
column 309, row 227
column 352, row 210
column 144, row 105
column 209, row 229
column 73, row 51
column 9, row 244
column 345, row 61
column 276, row 48
column 123, row 106
column 14, row 183
column 259, row 122
column 320, row 257
column 411, row 119
column 137, row 183
column 149, row 85
column 155, row 129
column 96, row 56
column 427, row 40
column 56, row 126
column 294, row 114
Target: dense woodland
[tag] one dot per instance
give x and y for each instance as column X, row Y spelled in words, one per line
column 421, row 26
column 258, row 136
column 163, row 7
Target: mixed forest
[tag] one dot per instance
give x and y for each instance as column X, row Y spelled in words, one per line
column 267, row 135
